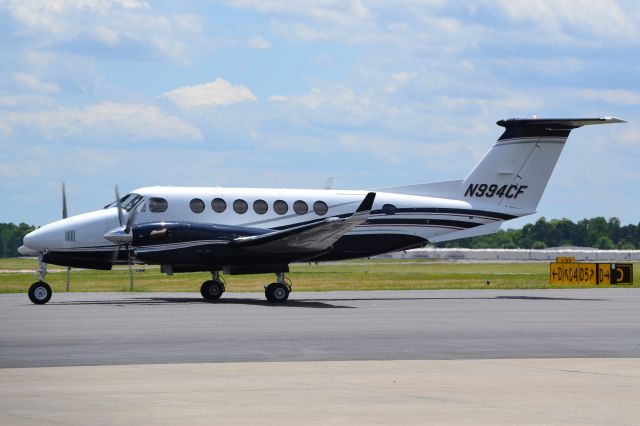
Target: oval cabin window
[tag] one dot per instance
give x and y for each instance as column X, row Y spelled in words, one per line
column 300, row 207
column 280, row 207
column 218, row 205
column 240, row 206
column 196, row 205
column 260, row 206
column 320, row 208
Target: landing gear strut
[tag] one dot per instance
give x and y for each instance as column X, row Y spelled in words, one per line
column 213, row 289
column 278, row 292
column 40, row 292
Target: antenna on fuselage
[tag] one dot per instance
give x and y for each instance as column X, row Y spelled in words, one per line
column 329, row 183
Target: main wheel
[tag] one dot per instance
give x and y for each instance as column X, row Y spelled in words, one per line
column 212, row 290
column 40, row 293
column 277, row 293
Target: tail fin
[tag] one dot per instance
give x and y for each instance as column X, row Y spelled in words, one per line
column 516, row 170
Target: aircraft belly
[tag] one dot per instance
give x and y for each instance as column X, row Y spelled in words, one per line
column 353, row 246
column 214, row 255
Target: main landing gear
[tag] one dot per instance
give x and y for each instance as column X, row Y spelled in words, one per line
column 40, row 292
column 278, row 292
column 213, row 289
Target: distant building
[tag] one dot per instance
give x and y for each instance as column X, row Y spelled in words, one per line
column 581, row 254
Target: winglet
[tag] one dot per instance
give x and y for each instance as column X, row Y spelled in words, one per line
column 367, row 203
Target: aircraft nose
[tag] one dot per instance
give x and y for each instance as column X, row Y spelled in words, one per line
column 32, row 241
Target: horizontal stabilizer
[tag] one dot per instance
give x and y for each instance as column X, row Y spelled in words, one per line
column 314, row 237
column 541, row 127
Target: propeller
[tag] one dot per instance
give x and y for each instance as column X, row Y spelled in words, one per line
column 64, row 202
column 121, row 235
column 64, row 216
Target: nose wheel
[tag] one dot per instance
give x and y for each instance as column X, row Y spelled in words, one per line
column 40, row 293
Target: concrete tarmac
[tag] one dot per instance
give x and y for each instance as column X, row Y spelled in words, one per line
column 160, row 328
column 405, row 357
column 498, row 392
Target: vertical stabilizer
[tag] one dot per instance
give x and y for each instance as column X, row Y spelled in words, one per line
column 516, row 170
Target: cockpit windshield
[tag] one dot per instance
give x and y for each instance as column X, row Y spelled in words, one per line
column 128, row 202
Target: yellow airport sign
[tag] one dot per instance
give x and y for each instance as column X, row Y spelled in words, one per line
column 601, row 274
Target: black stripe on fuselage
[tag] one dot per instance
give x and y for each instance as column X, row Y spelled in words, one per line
column 458, row 224
column 444, row 211
column 470, row 213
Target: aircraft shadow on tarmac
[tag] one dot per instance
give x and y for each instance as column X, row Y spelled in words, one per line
column 316, row 304
column 303, row 303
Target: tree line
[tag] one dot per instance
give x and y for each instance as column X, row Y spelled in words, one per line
column 596, row 232
column 11, row 238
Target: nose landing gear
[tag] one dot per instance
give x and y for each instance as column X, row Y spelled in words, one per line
column 40, row 292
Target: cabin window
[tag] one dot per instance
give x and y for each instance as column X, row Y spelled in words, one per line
column 157, row 205
column 389, row 209
column 320, row 208
column 196, row 205
column 240, row 206
column 260, row 206
column 218, row 205
column 300, row 207
column 280, row 206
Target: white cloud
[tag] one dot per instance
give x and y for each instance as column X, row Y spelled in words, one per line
column 34, row 83
column 259, row 43
column 398, row 79
column 113, row 23
column 337, row 11
column 332, row 104
column 619, row 97
column 106, row 121
column 22, row 101
column 209, row 95
column 602, row 17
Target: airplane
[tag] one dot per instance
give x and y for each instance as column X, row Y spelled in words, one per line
column 259, row 230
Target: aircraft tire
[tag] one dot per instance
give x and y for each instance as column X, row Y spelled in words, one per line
column 40, row 293
column 212, row 290
column 277, row 293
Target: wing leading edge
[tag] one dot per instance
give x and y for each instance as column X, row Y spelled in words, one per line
column 313, row 237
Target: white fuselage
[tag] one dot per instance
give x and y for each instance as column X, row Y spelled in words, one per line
column 392, row 214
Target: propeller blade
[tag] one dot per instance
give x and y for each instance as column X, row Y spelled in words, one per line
column 130, row 220
column 120, row 216
column 64, row 202
column 130, row 269
column 116, row 254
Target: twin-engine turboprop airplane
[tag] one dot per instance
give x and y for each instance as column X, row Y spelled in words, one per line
column 247, row 231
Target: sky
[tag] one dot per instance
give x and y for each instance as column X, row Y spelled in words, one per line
column 268, row 93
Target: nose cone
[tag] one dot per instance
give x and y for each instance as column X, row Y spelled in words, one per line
column 35, row 241
column 26, row 251
column 118, row 236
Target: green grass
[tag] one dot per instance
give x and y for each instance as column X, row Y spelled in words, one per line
column 372, row 274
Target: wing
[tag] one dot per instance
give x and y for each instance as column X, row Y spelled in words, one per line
column 313, row 237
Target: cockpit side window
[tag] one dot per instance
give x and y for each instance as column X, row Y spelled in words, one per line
column 158, row 205
column 128, row 202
